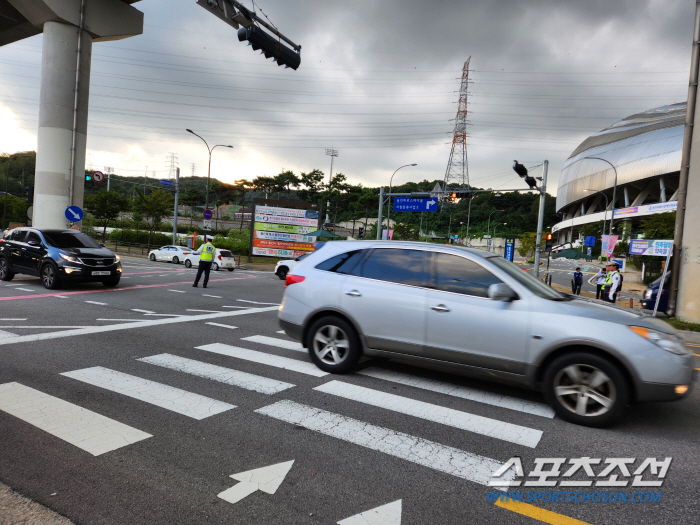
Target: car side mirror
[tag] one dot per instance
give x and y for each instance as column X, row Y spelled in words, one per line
column 33, row 243
column 102, row 245
column 502, row 292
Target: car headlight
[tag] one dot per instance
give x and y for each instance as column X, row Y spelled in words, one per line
column 668, row 342
column 117, row 258
column 71, row 258
column 647, row 294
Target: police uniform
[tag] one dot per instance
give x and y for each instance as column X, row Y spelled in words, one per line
column 206, row 257
column 611, row 286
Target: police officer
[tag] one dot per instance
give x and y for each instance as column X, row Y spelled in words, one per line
column 612, row 283
column 206, row 257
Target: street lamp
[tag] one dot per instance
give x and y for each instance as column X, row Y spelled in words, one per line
column 605, row 215
column 388, row 213
column 206, row 201
column 614, row 190
column 488, row 226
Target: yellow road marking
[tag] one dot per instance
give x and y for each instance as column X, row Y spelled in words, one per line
column 696, row 355
column 697, row 369
column 546, row 516
column 694, row 346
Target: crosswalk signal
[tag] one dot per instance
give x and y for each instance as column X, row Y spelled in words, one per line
column 548, row 243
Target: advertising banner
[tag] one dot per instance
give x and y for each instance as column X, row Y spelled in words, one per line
column 660, row 207
column 262, row 226
column 650, row 247
column 510, row 249
column 286, row 212
column 612, row 241
column 278, row 219
column 282, row 236
column 272, row 252
column 294, row 246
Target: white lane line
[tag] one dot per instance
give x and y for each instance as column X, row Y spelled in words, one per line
column 125, row 277
column 255, row 302
column 43, row 327
column 25, row 289
column 274, row 341
column 165, row 315
column 56, row 296
column 223, row 325
column 280, row 331
column 78, row 426
column 224, row 306
column 433, row 455
column 8, row 285
column 13, row 319
column 207, row 311
column 485, row 426
column 164, row 396
column 178, row 291
column 221, row 374
column 142, row 311
column 214, row 296
column 132, row 320
column 132, row 325
column 464, row 392
column 286, row 363
column 97, row 302
column 7, row 335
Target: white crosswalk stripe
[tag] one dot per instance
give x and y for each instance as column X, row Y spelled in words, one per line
column 464, row 421
column 275, row 341
column 303, row 367
column 78, row 426
column 164, row 396
column 433, row 455
column 472, row 394
column 221, row 374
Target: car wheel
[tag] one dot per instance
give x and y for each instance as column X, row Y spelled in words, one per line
column 5, row 273
column 111, row 283
column 586, row 389
column 152, row 257
column 333, row 345
column 188, row 263
column 176, row 260
column 230, row 269
column 49, row 276
column 215, row 267
column 282, row 272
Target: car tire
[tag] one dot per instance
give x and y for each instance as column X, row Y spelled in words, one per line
column 230, row 269
column 586, row 389
column 215, row 267
column 152, row 257
column 5, row 273
column 188, row 263
column 176, row 260
column 282, row 272
column 49, row 277
column 111, row 283
column 333, row 345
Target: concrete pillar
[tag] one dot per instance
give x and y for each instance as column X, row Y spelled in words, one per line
column 55, row 135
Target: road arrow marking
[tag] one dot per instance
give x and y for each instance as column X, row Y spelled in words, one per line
column 389, row 514
column 267, row 479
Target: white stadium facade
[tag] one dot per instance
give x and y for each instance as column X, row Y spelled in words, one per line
column 637, row 159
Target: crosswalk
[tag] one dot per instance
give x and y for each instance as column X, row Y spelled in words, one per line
column 98, row 434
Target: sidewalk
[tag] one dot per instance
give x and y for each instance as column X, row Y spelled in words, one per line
column 18, row 510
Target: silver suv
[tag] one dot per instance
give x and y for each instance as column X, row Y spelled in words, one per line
column 471, row 311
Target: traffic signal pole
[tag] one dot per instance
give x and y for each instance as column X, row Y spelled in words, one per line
column 540, row 219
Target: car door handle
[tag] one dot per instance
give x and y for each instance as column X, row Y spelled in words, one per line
column 440, row 308
column 353, row 293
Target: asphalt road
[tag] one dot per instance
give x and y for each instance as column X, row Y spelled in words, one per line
column 145, row 356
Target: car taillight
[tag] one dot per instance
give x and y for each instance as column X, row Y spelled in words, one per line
column 293, row 279
column 185, row 253
column 219, row 257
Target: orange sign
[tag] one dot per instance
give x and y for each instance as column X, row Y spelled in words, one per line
column 300, row 246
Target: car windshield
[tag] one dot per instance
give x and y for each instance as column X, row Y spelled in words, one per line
column 226, row 253
column 528, row 281
column 69, row 240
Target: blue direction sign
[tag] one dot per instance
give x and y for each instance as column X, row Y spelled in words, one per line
column 74, row 213
column 409, row 204
column 207, row 214
column 590, row 240
column 165, row 182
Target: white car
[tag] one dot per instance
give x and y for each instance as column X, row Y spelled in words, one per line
column 222, row 259
column 173, row 254
column 287, row 265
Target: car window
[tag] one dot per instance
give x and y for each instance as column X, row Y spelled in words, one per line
column 226, row 253
column 527, row 280
column 460, row 275
column 343, row 263
column 70, row 240
column 19, row 235
column 396, row 266
column 32, row 236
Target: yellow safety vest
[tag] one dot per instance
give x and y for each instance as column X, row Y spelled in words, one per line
column 608, row 280
column 206, row 252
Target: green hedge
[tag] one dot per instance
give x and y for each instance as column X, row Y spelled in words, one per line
column 140, row 237
column 238, row 241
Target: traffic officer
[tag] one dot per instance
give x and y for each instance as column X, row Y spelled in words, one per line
column 206, row 257
column 612, row 283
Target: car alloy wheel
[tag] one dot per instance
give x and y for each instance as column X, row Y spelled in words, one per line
column 586, row 389
column 152, row 257
column 215, row 267
column 188, row 263
column 176, row 260
column 333, row 345
column 49, row 277
column 5, row 273
column 282, row 273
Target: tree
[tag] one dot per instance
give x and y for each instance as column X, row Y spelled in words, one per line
column 105, row 207
column 659, row 226
column 527, row 243
column 335, row 191
column 267, row 185
column 191, row 198
column 405, row 232
column 153, row 207
column 313, row 186
column 287, row 179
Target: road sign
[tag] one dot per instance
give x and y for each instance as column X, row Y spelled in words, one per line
column 30, row 212
column 413, row 205
column 510, row 249
column 590, row 240
column 165, row 182
column 207, row 214
column 266, row 479
column 206, row 224
column 74, row 214
column 98, row 176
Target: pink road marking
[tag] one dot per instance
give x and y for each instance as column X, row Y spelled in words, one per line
column 137, row 287
column 162, row 271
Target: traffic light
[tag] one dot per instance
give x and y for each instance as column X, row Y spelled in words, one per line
column 361, row 233
column 461, row 194
column 548, row 243
column 269, row 46
column 30, row 194
column 88, row 177
column 522, row 171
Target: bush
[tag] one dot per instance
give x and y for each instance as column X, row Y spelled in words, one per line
column 237, row 241
column 140, row 237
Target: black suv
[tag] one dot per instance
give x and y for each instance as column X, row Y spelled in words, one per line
column 57, row 256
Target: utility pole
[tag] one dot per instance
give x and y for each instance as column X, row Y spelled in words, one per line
column 331, row 153
column 177, row 190
column 379, row 216
column 540, row 219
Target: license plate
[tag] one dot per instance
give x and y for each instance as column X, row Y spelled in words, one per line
column 101, row 273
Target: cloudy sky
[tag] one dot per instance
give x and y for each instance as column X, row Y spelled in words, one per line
column 378, row 81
